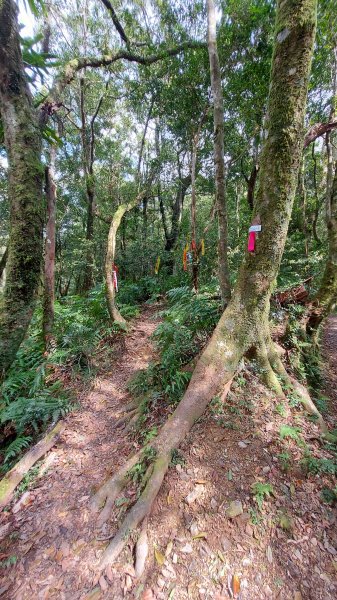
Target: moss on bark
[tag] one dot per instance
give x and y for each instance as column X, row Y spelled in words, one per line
column 27, row 210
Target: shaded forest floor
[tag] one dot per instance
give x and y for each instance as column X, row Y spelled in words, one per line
column 280, row 546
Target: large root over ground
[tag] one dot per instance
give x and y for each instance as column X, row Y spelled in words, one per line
column 213, row 375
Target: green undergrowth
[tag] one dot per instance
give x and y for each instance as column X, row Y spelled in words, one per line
column 37, row 390
column 188, row 320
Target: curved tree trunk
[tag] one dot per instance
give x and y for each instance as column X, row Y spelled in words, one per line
column 27, row 211
column 110, row 255
column 244, row 324
column 219, row 163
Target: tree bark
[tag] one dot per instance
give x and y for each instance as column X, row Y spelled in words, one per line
column 219, row 163
column 244, row 324
column 326, row 297
column 3, row 261
column 110, row 255
column 49, row 264
column 23, row 146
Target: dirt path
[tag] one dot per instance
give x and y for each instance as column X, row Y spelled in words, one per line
column 53, row 539
column 284, row 549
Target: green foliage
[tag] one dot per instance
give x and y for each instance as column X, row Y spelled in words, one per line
column 329, row 495
column 17, row 446
column 261, row 491
column 27, row 481
column 317, row 466
column 8, row 562
column 31, row 395
column 177, row 458
column 286, row 431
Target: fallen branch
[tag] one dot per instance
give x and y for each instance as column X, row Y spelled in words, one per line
column 15, row 475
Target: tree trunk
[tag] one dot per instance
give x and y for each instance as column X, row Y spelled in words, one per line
column 3, row 262
column 23, row 146
column 49, row 264
column 251, row 182
column 244, row 324
column 195, row 258
column 326, row 297
column 219, row 163
column 110, row 256
column 172, row 238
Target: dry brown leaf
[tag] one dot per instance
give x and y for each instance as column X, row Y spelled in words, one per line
column 298, row 596
column 169, row 497
column 236, row 584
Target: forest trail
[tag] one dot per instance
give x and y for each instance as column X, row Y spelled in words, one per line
column 229, row 450
column 51, row 536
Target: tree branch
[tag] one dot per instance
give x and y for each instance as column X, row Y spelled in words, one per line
column 318, row 130
column 104, row 61
column 116, row 22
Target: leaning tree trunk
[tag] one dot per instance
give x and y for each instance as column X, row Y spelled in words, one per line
column 244, row 324
column 219, row 163
column 23, row 146
column 49, row 259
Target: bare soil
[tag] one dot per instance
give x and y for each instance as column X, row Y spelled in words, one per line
column 285, row 549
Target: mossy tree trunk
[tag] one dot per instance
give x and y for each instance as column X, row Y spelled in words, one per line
column 244, row 325
column 49, row 257
column 326, row 297
column 220, row 189
column 27, row 210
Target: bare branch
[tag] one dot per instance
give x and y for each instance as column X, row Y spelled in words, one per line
column 116, row 22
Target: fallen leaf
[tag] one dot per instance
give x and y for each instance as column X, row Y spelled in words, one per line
column 169, row 548
column 160, row 558
column 298, row 596
column 269, row 553
column 198, row 536
column 236, row 584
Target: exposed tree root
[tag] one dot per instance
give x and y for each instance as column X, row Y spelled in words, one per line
column 107, row 494
column 301, row 390
column 15, row 475
column 139, row 510
column 126, row 417
column 142, row 549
